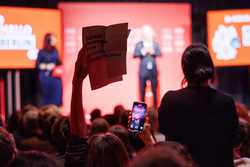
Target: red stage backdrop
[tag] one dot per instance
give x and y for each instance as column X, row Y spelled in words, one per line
column 172, row 24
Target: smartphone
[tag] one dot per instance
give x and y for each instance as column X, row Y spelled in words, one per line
column 137, row 117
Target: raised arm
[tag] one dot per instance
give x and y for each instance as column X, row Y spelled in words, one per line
column 77, row 117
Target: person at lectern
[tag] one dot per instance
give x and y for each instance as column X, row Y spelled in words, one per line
column 147, row 50
column 47, row 62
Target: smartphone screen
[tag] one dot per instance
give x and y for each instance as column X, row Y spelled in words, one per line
column 138, row 115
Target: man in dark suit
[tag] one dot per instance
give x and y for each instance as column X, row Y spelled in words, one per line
column 147, row 50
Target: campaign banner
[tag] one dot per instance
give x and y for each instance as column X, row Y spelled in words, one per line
column 22, row 32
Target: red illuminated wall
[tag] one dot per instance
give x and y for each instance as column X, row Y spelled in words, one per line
column 172, row 24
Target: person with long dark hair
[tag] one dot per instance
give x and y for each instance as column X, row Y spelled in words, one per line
column 8, row 148
column 107, row 150
column 47, row 61
column 198, row 116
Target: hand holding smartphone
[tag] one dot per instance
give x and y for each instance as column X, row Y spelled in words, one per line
column 137, row 117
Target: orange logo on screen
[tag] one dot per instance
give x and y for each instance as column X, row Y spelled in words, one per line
column 229, row 37
column 225, row 42
column 18, row 37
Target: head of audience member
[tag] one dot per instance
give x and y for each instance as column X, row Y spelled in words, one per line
column 33, row 159
column 107, row 150
column 14, row 122
column 29, row 123
column 160, row 156
column 47, row 116
column 153, row 119
column 96, row 113
column 99, row 125
column 121, row 132
column 124, row 118
column 27, row 108
column 181, row 150
column 60, row 134
column 244, row 136
column 7, row 147
column 197, row 65
column 118, row 110
column 110, row 118
column 242, row 162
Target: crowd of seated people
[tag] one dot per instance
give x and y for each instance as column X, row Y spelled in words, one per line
column 42, row 137
column 32, row 139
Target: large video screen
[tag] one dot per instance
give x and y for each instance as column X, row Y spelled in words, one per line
column 172, row 31
column 229, row 37
column 21, row 34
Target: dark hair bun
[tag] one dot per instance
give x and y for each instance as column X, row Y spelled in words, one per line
column 203, row 74
column 197, row 64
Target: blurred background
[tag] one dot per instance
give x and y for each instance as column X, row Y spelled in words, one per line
column 231, row 79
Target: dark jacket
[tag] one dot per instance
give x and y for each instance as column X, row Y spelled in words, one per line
column 204, row 120
column 145, row 60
